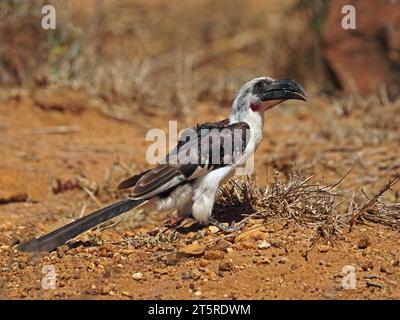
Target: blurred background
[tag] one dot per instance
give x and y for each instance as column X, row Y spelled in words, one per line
column 172, row 54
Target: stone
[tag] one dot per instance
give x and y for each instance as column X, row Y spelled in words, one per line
column 264, row 244
column 137, row 276
column 214, row 255
column 364, row 242
column 245, row 245
column 193, row 249
column 255, row 233
column 323, row 248
column 277, row 243
column 222, row 245
column 226, row 266
column 367, row 266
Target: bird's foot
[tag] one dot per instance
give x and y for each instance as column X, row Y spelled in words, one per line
column 223, row 227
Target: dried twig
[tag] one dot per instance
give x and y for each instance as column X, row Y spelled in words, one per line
column 91, row 195
column 373, row 200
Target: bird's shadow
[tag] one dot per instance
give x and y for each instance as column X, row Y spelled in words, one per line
column 87, row 244
column 223, row 215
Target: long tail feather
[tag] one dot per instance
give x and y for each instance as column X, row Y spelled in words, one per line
column 60, row 236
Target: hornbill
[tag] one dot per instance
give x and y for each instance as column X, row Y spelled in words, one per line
column 189, row 178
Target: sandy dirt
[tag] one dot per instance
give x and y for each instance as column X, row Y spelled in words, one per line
column 49, row 153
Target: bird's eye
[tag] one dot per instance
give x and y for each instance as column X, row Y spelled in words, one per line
column 260, row 87
column 261, row 84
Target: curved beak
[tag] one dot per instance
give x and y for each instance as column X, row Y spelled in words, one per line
column 284, row 89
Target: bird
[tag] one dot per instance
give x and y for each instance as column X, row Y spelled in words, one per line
column 192, row 172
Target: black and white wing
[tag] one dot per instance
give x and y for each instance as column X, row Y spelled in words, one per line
column 200, row 150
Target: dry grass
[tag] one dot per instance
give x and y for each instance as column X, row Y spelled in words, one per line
column 314, row 208
column 198, row 51
column 307, row 204
column 376, row 210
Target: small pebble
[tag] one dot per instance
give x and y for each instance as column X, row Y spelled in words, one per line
column 222, row 245
column 245, row 245
column 367, row 266
column 277, row 243
column 194, row 249
column 137, row 276
column 225, row 266
column 213, row 255
column 364, row 243
column 204, row 263
column 261, row 260
column 323, row 248
column 264, row 244
column 385, row 269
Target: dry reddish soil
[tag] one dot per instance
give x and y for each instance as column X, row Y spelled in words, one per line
column 52, row 147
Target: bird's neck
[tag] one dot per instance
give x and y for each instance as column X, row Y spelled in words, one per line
column 254, row 119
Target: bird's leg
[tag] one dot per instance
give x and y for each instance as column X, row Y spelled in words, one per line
column 173, row 221
column 223, row 227
column 166, row 225
column 182, row 213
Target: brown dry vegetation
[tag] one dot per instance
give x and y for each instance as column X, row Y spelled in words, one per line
column 75, row 126
column 164, row 56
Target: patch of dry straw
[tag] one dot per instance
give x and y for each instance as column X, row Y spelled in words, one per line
column 307, row 204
